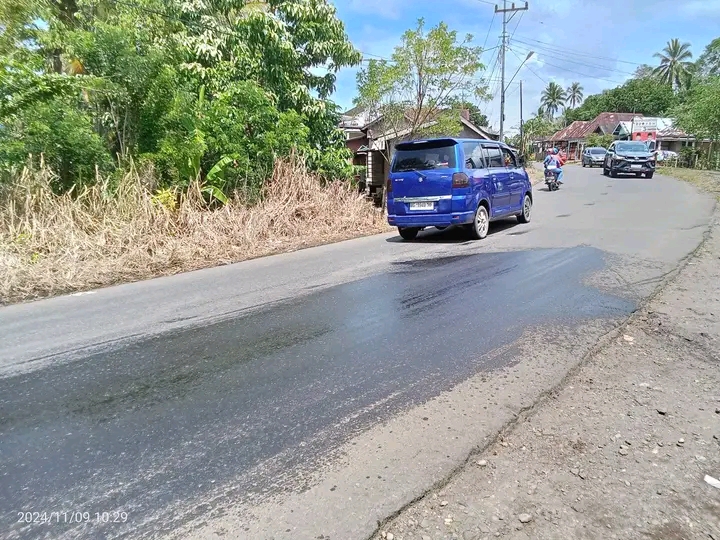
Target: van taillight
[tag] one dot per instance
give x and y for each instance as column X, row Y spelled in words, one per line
column 460, row 179
column 389, row 186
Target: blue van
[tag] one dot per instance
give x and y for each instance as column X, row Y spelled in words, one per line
column 443, row 182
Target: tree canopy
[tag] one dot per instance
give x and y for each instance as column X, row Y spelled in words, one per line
column 675, row 64
column 552, row 98
column 418, row 91
column 708, row 63
column 699, row 114
column 646, row 96
column 183, row 86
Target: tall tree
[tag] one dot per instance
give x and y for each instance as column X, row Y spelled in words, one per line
column 574, row 95
column 708, row 63
column 416, row 91
column 700, row 113
column 675, row 63
column 644, row 71
column 552, row 98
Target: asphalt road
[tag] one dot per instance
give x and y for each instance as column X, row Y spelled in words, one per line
column 165, row 399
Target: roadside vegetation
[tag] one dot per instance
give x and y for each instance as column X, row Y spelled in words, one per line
column 52, row 243
column 141, row 137
column 704, row 179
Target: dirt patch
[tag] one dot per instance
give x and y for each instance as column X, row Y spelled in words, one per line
column 620, row 451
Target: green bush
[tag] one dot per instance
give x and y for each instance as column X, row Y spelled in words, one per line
column 60, row 132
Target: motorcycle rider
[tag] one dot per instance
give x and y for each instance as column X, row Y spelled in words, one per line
column 554, row 161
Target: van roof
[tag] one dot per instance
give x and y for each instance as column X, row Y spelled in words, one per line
column 446, row 140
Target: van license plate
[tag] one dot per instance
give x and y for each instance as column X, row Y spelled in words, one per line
column 422, row 206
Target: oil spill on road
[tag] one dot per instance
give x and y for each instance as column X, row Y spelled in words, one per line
column 235, row 406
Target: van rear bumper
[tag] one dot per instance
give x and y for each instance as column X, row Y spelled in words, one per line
column 431, row 220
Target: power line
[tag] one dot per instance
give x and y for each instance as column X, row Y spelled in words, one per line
column 531, row 69
column 576, row 53
column 488, row 32
column 494, row 64
column 516, row 26
column 555, row 55
column 581, row 74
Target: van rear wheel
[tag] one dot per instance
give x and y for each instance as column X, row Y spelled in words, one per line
column 481, row 224
column 524, row 216
column 408, row 233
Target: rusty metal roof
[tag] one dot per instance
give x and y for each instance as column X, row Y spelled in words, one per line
column 576, row 130
column 608, row 121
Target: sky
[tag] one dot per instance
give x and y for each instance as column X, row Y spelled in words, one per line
column 596, row 43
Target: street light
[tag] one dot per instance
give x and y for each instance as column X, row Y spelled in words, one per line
column 518, row 69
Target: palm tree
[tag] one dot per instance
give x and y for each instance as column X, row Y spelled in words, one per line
column 574, row 95
column 674, row 63
column 552, row 98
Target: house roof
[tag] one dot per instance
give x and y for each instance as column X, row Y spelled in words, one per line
column 354, row 111
column 608, row 121
column 666, row 128
column 576, row 130
column 486, row 132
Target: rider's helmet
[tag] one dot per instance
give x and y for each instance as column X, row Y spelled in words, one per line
column 555, row 150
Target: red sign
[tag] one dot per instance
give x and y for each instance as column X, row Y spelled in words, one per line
column 644, row 136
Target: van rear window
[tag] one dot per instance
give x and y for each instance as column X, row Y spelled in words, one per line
column 424, row 157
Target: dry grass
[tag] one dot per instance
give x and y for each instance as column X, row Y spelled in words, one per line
column 51, row 244
column 705, row 180
column 536, row 174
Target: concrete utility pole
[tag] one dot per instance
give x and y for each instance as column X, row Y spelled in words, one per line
column 505, row 10
column 522, row 139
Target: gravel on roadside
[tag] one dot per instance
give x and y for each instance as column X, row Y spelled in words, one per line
column 627, row 448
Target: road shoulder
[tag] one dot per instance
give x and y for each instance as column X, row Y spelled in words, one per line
column 620, row 451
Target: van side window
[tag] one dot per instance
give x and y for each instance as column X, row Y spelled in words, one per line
column 493, row 156
column 509, row 158
column 474, row 158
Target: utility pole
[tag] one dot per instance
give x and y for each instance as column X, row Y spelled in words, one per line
column 522, row 139
column 505, row 10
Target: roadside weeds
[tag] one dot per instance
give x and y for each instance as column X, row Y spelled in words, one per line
column 51, row 244
column 706, row 180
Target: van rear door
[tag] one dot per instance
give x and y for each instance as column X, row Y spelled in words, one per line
column 421, row 174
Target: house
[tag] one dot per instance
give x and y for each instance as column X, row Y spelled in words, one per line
column 662, row 130
column 624, row 126
column 573, row 138
column 372, row 142
column 570, row 138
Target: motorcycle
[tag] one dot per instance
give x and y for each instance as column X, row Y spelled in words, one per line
column 551, row 179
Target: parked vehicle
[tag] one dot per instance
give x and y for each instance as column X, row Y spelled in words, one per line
column 629, row 157
column 593, row 156
column 467, row 182
column 551, row 179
